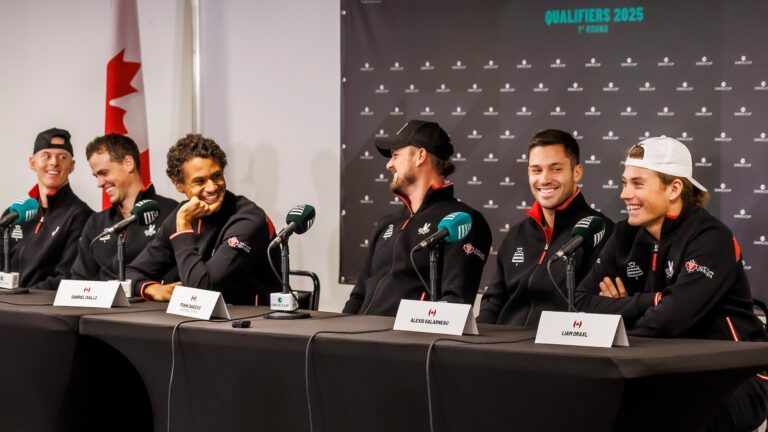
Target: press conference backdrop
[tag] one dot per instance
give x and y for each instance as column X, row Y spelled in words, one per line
column 494, row 73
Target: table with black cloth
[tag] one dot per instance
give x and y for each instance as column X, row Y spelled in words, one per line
column 52, row 378
column 238, row 379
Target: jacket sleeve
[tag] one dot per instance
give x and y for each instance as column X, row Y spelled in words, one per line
column 85, row 266
column 464, row 261
column 357, row 295
column 497, row 294
column 707, row 272
column 155, row 260
column 588, row 297
column 63, row 269
column 244, row 238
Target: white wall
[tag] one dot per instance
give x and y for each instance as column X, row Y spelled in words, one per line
column 270, row 98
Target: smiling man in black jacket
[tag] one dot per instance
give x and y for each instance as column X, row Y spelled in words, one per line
column 115, row 163
column 521, row 288
column 673, row 270
column 419, row 162
column 216, row 239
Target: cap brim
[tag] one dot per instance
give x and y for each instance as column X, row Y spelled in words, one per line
column 698, row 185
column 386, row 145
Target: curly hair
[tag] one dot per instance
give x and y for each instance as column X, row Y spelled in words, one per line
column 190, row 147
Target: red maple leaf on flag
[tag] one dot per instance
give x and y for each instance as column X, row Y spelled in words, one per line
column 120, row 73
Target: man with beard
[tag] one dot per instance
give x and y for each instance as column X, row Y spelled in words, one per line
column 521, row 288
column 419, row 162
column 115, row 163
column 43, row 249
column 216, row 239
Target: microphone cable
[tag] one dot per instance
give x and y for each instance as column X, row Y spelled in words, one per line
column 428, row 369
column 557, row 288
column 173, row 355
column 277, row 275
column 416, row 269
column 307, row 362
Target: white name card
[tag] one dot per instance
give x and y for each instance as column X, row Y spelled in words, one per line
column 197, row 303
column 126, row 285
column 435, row 317
column 95, row 294
column 9, row 280
column 581, row 329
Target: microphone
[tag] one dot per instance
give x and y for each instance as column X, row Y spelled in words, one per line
column 452, row 228
column 144, row 212
column 299, row 219
column 23, row 210
column 591, row 229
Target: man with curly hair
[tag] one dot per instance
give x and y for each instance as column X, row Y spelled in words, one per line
column 216, row 239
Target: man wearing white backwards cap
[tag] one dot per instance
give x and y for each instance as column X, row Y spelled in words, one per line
column 673, row 270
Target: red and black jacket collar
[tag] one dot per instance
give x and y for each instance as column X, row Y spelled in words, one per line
column 566, row 215
column 435, row 193
column 54, row 195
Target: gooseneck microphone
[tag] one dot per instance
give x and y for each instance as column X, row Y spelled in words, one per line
column 144, row 212
column 452, row 228
column 591, row 230
column 23, row 210
column 298, row 220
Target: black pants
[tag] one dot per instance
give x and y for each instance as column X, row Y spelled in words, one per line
column 745, row 409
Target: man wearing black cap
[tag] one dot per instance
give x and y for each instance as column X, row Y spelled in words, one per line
column 419, row 163
column 43, row 249
column 115, row 163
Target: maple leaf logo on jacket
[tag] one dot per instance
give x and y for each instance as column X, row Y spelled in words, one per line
column 233, row 242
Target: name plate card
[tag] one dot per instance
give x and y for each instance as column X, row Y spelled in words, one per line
column 95, row 294
column 435, row 317
column 197, row 303
column 581, row 329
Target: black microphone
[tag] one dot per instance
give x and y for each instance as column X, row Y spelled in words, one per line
column 452, row 228
column 23, row 210
column 591, row 229
column 144, row 212
column 299, row 219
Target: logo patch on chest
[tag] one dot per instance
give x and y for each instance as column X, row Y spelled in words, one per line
column 388, row 232
column 518, row 257
column 17, row 233
column 692, row 266
column 150, row 231
column 634, row 271
column 670, row 270
column 425, row 229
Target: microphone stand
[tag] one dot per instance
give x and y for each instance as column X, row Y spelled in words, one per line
column 7, row 264
column 434, row 281
column 286, row 273
column 121, row 256
column 570, row 281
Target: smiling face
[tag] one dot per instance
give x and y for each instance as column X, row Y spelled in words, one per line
column 402, row 165
column 116, row 179
column 52, row 166
column 551, row 176
column 204, row 179
column 648, row 199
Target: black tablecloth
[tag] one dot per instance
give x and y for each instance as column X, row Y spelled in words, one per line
column 254, row 379
column 53, row 379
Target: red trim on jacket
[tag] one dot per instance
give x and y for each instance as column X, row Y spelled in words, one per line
column 656, row 298
column 271, row 227
column 737, row 248
column 177, row 233
column 733, row 329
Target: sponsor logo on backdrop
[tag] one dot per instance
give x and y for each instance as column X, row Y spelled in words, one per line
column 761, row 241
column 475, row 135
column 505, row 228
column 540, row 88
column 761, row 138
column 703, row 163
column 742, row 163
column 366, row 67
column 592, row 160
column 523, row 112
column 665, row 112
column 443, row 89
column 506, row 135
column 628, row 112
column 611, row 87
column 411, row 89
column 458, row 112
column 427, row 66
column 507, row 88
column 523, row 206
column 628, row 62
column 490, row 65
column 592, row 112
column 723, row 137
column 704, row 61
column 557, row 112
column 684, row 137
column 575, row 87
column 665, row 62
column 761, row 190
column 742, row 112
column 524, row 64
column 723, row 188
column 366, row 155
column 396, row 67
column 458, row 66
column 557, row 64
column 723, row 87
column 506, row 182
column 366, row 112
column 610, row 136
column 647, row 87
column 458, row 158
column 490, row 112
column 366, row 200
column 381, row 89
column 427, row 112
column 475, row 89
column 523, row 158
column 743, row 61
column 396, row 112
column 364, row 244
column 576, row 135
column 742, row 214
column 684, row 87
column 474, row 181
column 593, row 63
column 610, row 185
column 704, row 112
column 490, row 205
column 763, row 86
column 490, row 158
column 381, row 134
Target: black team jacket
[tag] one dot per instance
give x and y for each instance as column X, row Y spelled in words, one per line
column 689, row 284
column 99, row 261
column 44, row 249
column 387, row 275
column 225, row 251
column 521, row 287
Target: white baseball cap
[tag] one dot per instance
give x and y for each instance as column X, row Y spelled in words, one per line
column 667, row 156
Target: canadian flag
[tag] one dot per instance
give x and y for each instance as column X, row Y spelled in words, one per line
column 126, row 111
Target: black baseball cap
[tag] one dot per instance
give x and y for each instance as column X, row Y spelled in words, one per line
column 43, row 140
column 418, row 133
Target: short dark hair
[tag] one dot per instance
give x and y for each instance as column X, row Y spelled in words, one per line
column 691, row 195
column 557, row 137
column 444, row 167
column 190, row 147
column 117, row 146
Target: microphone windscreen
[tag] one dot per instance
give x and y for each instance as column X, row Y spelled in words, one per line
column 458, row 225
column 146, row 211
column 303, row 215
column 26, row 208
column 591, row 229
